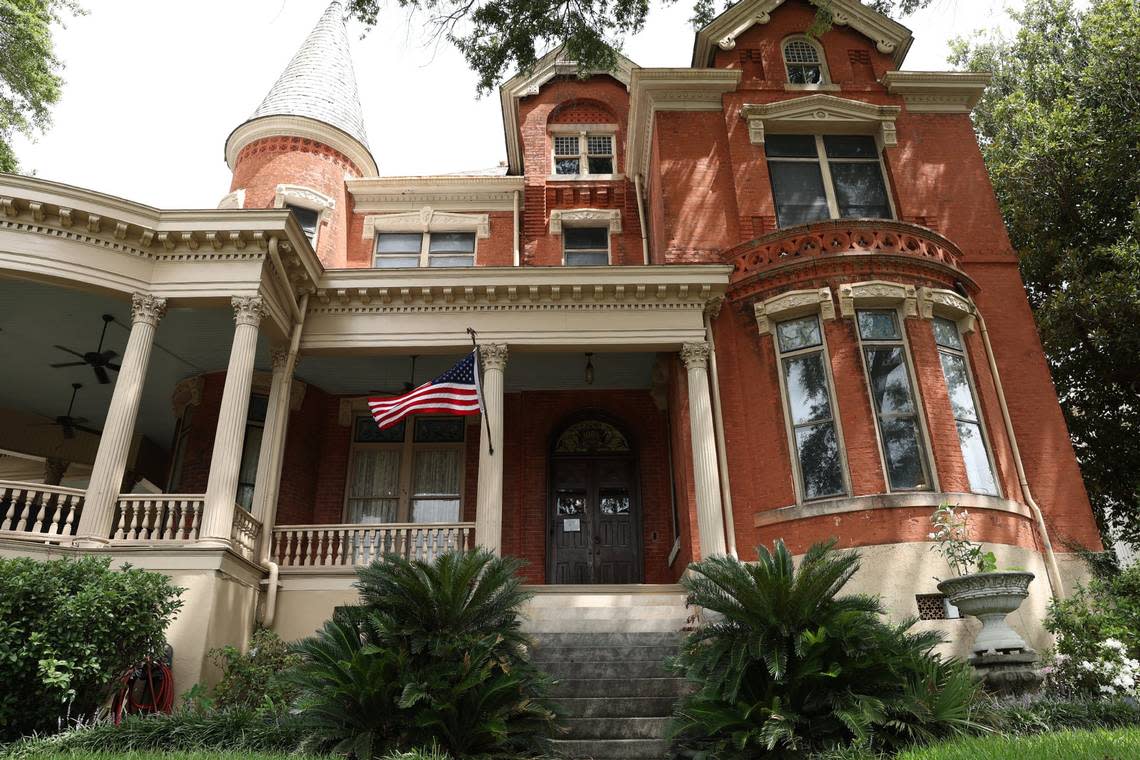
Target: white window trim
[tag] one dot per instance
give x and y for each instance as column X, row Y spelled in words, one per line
column 583, row 131
column 901, row 310
column 822, row 114
column 790, row 305
column 972, row 384
column 305, row 197
column 428, row 219
column 408, row 449
column 585, row 217
column 824, row 162
column 825, row 72
column 940, row 302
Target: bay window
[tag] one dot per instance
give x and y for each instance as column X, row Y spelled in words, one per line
column 975, row 453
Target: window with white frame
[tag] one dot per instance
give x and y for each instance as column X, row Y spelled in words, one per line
column 810, row 408
column 956, row 370
column 803, row 62
column 586, row 246
column 584, row 153
column 891, row 386
column 424, row 249
column 411, row 472
column 309, row 219
column 818, row 177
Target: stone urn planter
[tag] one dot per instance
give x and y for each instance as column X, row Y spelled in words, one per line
column 990, row 597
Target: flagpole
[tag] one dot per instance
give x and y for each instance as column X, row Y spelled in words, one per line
column 479, row 387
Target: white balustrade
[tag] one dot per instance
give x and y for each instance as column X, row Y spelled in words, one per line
column 44, row 513
column 245, row 534
column 157, row 517
column 352, row 545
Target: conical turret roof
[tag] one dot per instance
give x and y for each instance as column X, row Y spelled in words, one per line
column 319, row 83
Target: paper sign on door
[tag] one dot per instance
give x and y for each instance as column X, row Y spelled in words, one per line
column 572, row 525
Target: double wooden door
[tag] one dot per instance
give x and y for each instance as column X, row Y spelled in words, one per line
column 594, row 521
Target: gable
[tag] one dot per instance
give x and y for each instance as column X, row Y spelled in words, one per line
column 890, row 37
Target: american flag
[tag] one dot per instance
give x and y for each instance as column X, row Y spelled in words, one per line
column 454, row 392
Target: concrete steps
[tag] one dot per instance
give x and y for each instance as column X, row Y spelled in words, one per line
column 607, row 649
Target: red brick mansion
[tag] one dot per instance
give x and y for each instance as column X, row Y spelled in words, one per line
column 769, row 295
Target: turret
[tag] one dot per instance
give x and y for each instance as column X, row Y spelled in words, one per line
column 305, row 139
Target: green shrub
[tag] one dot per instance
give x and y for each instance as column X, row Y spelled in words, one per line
column 255, row 678
column 1098, row 625
column 787, row 667
column 1062, row 745
column 69, row 630
column 434, row 654
column 234, row 730
column 1041, row 713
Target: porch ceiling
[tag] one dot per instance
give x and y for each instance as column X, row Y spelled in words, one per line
column 34, row 317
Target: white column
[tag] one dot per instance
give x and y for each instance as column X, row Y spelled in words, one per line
column 119, row 427
column 489, row 500
column 225, row 462
column 270, row 459
column 710, row 521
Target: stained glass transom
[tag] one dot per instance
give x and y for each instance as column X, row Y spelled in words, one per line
column 591, row 437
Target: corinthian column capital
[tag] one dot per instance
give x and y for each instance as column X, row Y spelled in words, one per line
column 695, row 355
column 147, row 309
column 248, row 310
column 493, row 355
column 279, row 357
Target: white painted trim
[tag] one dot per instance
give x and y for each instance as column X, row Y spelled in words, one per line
column 585, row 217
column 905, row 500
column 303, row 127
column 890, row 37
column 794, row 303
column 236, row 199
column 445, row 193
column 937, row 91
column 821, row 114
column 946, row 303
column 427, row 219
column 877, row 294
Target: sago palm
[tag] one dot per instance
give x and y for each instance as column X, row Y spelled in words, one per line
column 789, row 666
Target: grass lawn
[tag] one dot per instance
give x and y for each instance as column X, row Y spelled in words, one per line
column 152, row 755
column 1119, row 744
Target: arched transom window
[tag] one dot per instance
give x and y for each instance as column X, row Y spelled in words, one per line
column 803, row 61
column 591, row 437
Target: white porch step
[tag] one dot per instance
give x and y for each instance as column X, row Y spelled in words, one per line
column 612, row 609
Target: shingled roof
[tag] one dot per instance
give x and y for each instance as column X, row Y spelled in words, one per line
column 319, row 83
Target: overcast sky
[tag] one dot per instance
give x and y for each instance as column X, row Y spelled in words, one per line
column 154, row 87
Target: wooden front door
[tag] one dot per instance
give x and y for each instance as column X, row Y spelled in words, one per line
column 594, row 518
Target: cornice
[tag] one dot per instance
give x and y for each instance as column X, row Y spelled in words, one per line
column 653, row 90
column 304, row 127
column 937, row 91
column 818, row 113
column 890, row 37
column 521, row 288
column 394, row 194
column 527, row 83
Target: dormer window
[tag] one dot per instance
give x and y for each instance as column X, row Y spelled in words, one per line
column 584, row 154
column 804, row 62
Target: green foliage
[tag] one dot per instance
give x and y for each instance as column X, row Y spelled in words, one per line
column 69, row 629
column 191, row 755
column 1106, row 610
column 435, row 654
column 29, row 69
column 1041, row 713
column 238, row 730
column 787, row 666
column 1063, row 745
column 500, row 37
column 1060, row 132
column 951, row 537
column 255, row 678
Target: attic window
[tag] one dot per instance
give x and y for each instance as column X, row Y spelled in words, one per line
column 803, row 61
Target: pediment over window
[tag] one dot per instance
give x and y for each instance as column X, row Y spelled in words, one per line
column 821, row 114
column 427, row 219
column 585, row 217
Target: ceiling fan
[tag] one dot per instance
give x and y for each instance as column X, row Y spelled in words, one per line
column 408, row 384
column 99, row 360
column 71, row 424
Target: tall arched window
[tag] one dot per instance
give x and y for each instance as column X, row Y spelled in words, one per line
column 804, row 62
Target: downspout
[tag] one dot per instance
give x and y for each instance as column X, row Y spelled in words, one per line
column 1051, row 568
column 721, row 449
column 641, row 219
column 516, row 222
column 271, row 515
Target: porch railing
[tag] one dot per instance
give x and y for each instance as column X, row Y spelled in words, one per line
column 246, row 534
column 352, row 545
column 158, row 517
column 45, row 513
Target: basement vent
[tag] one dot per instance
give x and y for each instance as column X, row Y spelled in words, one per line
column 935, row 607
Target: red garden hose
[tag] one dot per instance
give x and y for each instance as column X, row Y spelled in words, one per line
column 146, row 689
